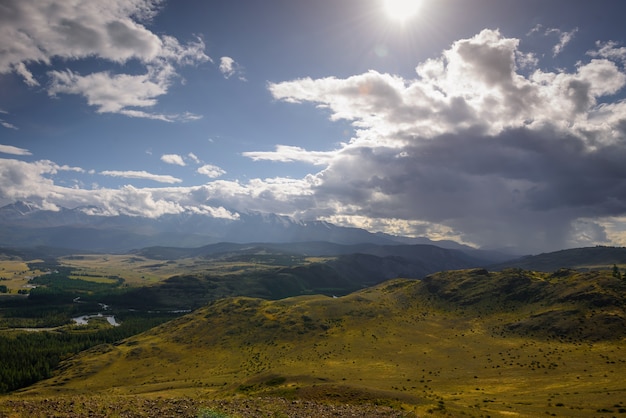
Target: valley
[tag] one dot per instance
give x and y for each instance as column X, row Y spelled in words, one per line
column 275, row 333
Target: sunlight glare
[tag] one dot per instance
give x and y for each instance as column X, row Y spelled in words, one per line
column 401, row 10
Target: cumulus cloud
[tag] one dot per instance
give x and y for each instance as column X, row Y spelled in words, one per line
column 473, row 145
column 471, row 148
column 229, row 67
column 193, row 157
column 173, row 159
column 35, row 182
column 610, row 50
column 21, row 180
column 211, row 171
column 142, row 175
column 33, row 31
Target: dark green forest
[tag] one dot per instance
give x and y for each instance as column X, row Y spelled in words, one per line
column 28, row 357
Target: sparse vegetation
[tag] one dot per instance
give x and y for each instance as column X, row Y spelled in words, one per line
column 457, row 343
column 210, row 413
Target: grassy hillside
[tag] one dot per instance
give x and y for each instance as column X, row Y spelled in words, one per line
column 588, row 258
column 462, row 343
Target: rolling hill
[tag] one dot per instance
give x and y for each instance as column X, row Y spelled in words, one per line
column 587, row 258
column 468, row 342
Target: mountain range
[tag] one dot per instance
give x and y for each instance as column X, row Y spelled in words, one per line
column 23, row 224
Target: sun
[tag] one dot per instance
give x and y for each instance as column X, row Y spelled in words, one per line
column 401, row 10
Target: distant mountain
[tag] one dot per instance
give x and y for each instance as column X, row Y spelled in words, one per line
column 575, row 258
column 22, row 224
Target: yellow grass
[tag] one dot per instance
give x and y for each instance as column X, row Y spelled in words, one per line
column 141, row 271
column 367, row 346
column 17, row 274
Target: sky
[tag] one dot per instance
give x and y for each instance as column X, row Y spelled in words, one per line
column 495, row 123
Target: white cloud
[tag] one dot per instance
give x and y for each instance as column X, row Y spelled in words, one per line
column 110, row 93
column 21, row 180
column 193, row 157
column 21, row 69
column 173, row 159
column 229, row 67
column 564, row 39
column 287, row 153
column 7, row 124
column 10, row 149
column 609, row 50
column 211, row 171
column 474, row 146
column 40, row 30
column 142, row 175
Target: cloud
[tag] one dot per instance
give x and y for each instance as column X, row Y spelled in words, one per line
column 287, row 153
column 35, row 182
column 7, row 124
column 142, row 175
column 492, row 156
column 610, row 50
column 173, row 159
column 193, row 157
column 564, row 36
column 564, row 39
column 229, row 67
column 110, row 93
column 21, row 180
column 471, row 148
column 28, row 77
column 211, row 171
column 34, row 31
column 10, row 149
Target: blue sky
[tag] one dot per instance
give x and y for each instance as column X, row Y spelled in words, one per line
column 497, row 123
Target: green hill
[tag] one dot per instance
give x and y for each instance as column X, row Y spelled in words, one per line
column 471, row 342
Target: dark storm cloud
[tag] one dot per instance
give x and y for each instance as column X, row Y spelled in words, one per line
column 533, row 162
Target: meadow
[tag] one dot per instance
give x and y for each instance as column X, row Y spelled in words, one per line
column 453, row 344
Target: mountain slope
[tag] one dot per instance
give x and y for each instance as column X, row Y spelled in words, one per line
column 580, row 258
column 466, row 342
column 334, row 276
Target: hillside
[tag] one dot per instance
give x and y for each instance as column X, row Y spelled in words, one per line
column 575, row 258
column 269, row 271
column 468, row 342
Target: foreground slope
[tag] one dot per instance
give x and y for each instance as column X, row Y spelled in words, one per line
column 511, row 343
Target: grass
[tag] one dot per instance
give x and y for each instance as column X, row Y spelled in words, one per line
column 142, row 271
column 449, row 352
column 15, row 274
